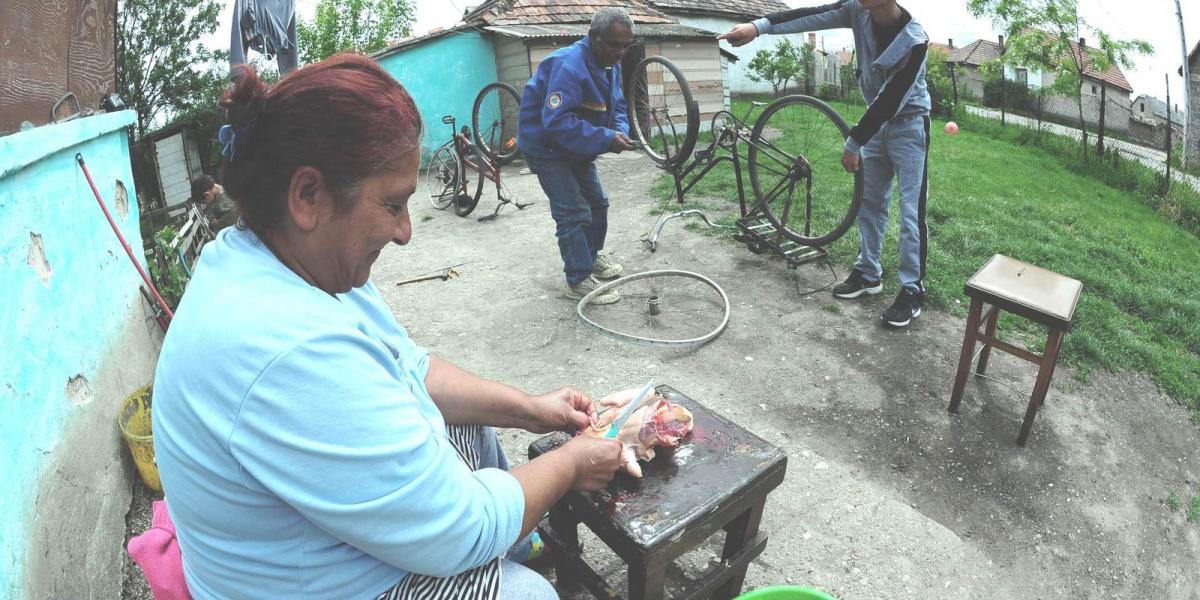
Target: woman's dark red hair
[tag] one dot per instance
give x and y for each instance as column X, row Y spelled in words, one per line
column 345, row 116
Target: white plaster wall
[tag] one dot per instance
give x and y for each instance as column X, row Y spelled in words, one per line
column 739, row 81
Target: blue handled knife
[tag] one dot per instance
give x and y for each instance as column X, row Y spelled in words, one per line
column 634, row 404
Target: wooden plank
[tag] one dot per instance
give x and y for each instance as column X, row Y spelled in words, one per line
column 92, row 69
column 33, row 59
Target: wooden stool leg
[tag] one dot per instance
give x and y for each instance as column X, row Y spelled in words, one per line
column 566, row 529
column 738, row 533
column 1045, row 373
column 647, row 581
column 990, row 331
column 964, row 358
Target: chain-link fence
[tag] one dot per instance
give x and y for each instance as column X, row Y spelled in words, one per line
column 1139, row 128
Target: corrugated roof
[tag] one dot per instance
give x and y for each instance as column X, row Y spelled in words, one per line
column 542, row 12
column 578, row 30
column 746, row 9
column 1160, row 108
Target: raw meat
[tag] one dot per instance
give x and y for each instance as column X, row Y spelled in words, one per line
column 657, row 424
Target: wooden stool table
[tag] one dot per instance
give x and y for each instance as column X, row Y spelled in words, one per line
column 1023, row 289
column 718, row 478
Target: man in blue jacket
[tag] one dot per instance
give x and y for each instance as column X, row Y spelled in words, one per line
column 572, row 111
column 892, row 138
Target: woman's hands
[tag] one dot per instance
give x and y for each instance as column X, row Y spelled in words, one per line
column 565, row 409
column 596, row 461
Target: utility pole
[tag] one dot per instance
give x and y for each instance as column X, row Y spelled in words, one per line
column 1187, row 85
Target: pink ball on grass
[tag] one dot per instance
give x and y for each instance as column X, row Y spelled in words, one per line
column 952, row 128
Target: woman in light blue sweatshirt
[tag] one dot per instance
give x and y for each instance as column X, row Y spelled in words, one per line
column 890, row 142
column 307, row 447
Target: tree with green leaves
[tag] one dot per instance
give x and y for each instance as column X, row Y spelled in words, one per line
column 160, row 61
column 1042, row 33
column 353, row 25
column 776, row 66
column 806, row 67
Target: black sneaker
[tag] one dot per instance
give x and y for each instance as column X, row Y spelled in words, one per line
column 856, row 285
column 906, row 308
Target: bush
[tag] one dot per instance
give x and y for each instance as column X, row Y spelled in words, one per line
column 828, row 91
column 1019, row 97
column 937, row 78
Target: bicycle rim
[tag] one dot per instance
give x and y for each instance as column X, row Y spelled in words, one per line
column 663, row 117
column 441, row 178
column 796, row 171
column 670, row 308
column 494, row 119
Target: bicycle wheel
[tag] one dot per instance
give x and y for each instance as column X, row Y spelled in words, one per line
column 473, row 167
column 442, row 177
column 674, row 309
column 494, row 119
column 662, row 115
column 796, row 171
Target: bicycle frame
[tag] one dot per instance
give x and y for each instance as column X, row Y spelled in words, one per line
column 755, row 230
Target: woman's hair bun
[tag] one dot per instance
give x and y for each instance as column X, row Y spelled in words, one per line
column 244, row 99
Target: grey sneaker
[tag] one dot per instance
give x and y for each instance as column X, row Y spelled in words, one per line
column 585, row 287
column 605, row 268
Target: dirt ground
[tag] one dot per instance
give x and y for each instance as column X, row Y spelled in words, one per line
column 886, row 495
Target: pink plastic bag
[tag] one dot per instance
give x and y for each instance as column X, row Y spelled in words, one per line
column 156, row 551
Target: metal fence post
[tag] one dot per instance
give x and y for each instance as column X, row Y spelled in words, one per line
column 1003, row 85
column 1103, row 107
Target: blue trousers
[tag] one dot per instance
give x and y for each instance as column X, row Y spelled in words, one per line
column 899, row 151
column 580, row 210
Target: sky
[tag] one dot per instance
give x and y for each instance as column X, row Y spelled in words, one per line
column 1153, row 21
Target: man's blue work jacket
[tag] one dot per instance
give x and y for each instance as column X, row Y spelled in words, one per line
column 572, row 107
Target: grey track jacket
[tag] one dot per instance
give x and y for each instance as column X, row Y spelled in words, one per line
column 892, row 79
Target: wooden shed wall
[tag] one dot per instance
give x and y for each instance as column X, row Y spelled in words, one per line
column 700, row 62
column 51, row 47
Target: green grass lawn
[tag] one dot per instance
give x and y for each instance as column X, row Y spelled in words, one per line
column 1140, row 271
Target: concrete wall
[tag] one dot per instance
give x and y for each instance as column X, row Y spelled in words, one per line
column 443, row 76
column 75, row 343
column 739, row 81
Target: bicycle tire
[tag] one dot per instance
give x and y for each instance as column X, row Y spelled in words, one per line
column 686, row 320
column 466, row 202
column 442, row 177
column 652, row 94
column 500, row 144
column 840, row 192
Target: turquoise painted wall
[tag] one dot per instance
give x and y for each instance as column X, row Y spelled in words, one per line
column 443, row 76
column 58, row 323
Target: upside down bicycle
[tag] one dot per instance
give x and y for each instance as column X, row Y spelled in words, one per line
column 803, row 199
column 458, row 168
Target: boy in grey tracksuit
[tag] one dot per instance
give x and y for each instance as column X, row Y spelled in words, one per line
column 892, row 138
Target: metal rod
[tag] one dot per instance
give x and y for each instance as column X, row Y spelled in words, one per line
column 129, row 251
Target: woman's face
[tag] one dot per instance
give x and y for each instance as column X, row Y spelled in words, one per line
column 378, row 216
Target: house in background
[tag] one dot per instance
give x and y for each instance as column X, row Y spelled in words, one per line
column 721, row 15
column 968, row 64
column 1150, row 121
column 506, row 40
column 1109, row 85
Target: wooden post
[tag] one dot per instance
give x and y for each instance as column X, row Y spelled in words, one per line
column 1167, row 181
column 1003, row 85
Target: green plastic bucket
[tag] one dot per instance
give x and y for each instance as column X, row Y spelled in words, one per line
column 786, row 592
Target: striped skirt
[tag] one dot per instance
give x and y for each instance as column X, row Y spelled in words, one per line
column 480, row 583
